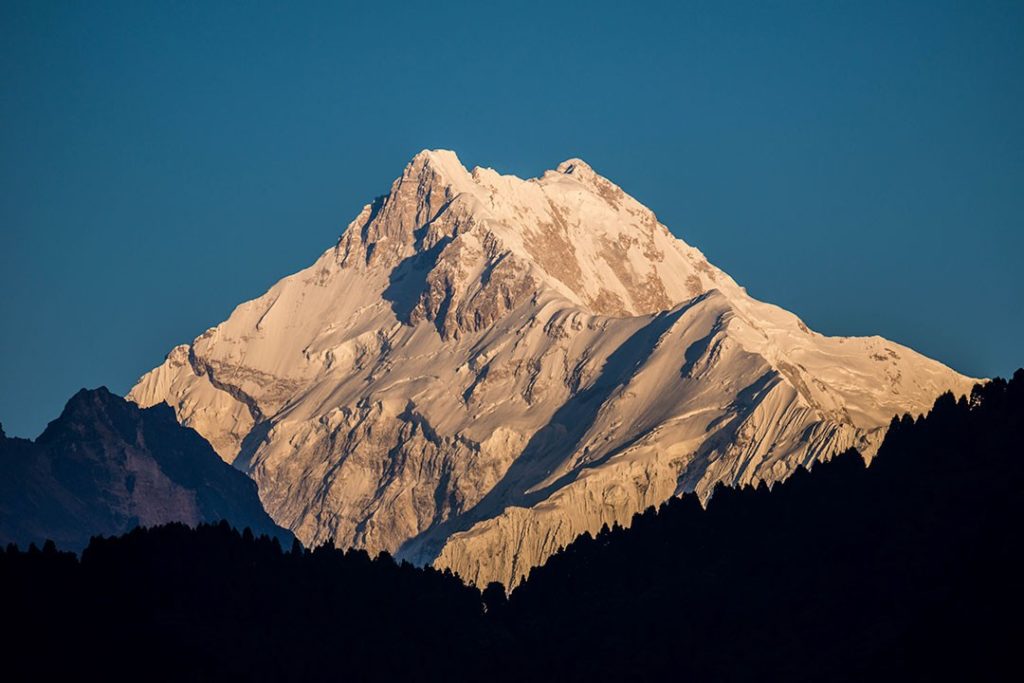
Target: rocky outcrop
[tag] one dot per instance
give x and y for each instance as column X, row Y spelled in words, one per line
column 106, row 466
column 484, row 367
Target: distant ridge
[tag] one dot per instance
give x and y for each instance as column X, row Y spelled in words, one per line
column 105, row 466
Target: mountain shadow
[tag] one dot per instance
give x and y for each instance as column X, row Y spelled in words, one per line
column 408, row 280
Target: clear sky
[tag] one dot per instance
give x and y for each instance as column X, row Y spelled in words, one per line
column 861, row 164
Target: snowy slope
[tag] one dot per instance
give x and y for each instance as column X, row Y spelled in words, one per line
column 484, row 367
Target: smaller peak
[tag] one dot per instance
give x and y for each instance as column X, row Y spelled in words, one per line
column 100, row 391
column 584, row 174
column 179, row 353
column 443, row 163
column 87, row 397
column 437, row 155
column 81, row 409
column 438, row 159
column 576, row 167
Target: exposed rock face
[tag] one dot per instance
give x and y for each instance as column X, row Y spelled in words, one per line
column 105, row 466
column 485, row 367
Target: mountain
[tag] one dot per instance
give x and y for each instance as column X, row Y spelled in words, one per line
column 105, row 466
column 484, row 367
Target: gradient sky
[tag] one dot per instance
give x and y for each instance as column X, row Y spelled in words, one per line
column 861, row 164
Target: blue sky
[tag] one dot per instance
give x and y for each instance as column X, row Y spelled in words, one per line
column 861, row 164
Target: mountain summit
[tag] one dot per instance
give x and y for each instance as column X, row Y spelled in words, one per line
column 485, row 367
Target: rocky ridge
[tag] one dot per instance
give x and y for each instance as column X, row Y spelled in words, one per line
column 105, row 466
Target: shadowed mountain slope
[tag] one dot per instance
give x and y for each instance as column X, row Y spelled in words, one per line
column 105, row 466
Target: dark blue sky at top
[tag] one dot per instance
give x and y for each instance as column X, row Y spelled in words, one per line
column 861, row 164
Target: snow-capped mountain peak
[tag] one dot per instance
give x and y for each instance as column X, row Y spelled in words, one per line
column 484, row 367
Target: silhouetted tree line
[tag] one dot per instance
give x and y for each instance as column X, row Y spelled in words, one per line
column 210, row 603
column 909, row 569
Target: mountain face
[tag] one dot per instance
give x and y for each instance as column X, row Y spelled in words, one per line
column 485, row 367
column 105, row 466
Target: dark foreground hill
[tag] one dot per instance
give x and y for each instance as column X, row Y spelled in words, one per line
column 106, row 466
column 909, row 569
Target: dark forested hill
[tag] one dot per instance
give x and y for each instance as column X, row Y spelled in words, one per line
column 907, row 569
column 106, row 466
column 910, row 568
column 176, row 603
